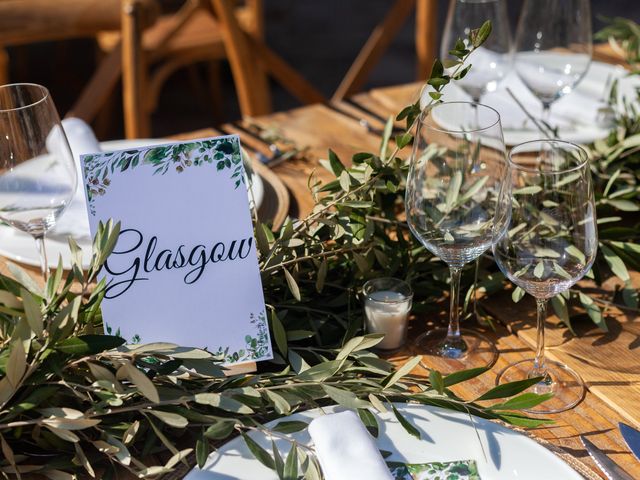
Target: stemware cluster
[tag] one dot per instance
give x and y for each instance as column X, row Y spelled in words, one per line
column 534, row 208
column 551, row 53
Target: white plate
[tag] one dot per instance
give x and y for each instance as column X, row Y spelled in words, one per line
column 446, row 436
column 594, row 85
column 21, row 247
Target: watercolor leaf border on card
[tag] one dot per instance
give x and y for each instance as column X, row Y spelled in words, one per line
column 256, row 347
column 223, row 152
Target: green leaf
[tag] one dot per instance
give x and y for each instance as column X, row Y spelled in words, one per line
column 386, row 135
column 473, row 189
column 142, row 382
column 280, row 404
column 279, row 333
column 171, row 419
column 33, row 312
column 517, row 294
column 522, row 421
column 508, row 389
column 369, row 420
column 336, row 165
column 615, row 263
column 437, row 69
column 402, row 371
column 531, row 190
column 454, row 189
column 478, row 37
column 291, row 464
column 624, row 205
column 220, row 430
column 202, row 451
column 463, row 375
column 17, row 364
column 345, row 397
column 405, row 423
column 260, row 453
column 291, row 283
column 290, row 426
column 594, row 312
column 403, row 140
column 223, row 402
column 436, row 380
column 526, row 400
column 538, row 272
column 321, row 276
column 560, row 307
column 89, row 344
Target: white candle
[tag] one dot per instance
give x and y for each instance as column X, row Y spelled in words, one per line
column 386, row 312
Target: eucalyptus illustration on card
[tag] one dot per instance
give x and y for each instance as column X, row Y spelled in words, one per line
column 185, row 267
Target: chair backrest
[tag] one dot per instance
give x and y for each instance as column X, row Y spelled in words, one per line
column 29, row 21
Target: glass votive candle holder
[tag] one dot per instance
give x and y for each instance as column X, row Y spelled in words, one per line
column 387, row 303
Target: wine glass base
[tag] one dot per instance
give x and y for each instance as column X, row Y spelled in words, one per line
column 473, row 351
column 565, row 384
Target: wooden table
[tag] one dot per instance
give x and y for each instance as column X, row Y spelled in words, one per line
column 609, row 364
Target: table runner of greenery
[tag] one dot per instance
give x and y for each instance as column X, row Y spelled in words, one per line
column 75, row 402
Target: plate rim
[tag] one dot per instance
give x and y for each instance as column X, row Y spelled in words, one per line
column 231, row 446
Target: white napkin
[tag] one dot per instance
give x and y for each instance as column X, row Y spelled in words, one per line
column 75, row 219
column 572, row 109
column 345, row 448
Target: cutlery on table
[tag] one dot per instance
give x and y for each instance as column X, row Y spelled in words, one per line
column 610, row 468
column 631, row 437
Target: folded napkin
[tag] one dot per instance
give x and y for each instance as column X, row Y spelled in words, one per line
column 572, row 109
column 345, row 448
column 75, row 220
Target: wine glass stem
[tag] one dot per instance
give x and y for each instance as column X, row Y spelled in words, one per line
column 546, row 112
column 44, row 265
column 453, row 331
column 539, row 367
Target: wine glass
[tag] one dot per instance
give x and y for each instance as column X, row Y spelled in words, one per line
column 37, row 172
column 553, row 47
column 492, row 61
column 458, row 164
column 549, row 243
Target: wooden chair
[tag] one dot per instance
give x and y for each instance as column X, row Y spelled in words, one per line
column 210, row 31
column 24, row 22
column 383, row 34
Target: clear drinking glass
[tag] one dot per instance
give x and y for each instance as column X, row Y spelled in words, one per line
column 457, row 167
column 37, row 171
column 553, row 47
column 492, row 61
column 549, row 243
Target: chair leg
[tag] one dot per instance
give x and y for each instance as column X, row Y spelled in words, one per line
column 134, row 85
column 373, row 49
column 4, row 66
column 426, row 36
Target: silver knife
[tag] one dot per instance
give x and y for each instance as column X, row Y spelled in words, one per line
column 610, row 468
column 631, row 437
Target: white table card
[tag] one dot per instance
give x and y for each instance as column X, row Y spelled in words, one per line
column 185, row 268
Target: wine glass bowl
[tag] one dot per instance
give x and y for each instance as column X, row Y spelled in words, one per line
column 453, row 183
column 546, row 240
column 491, row 61
column 37, row 172
column 553, row 47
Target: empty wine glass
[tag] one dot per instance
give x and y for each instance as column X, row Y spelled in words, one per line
column 549, row 243
column 458, row 164
column 492, row 61
column 553, row 47
column 37, row 171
